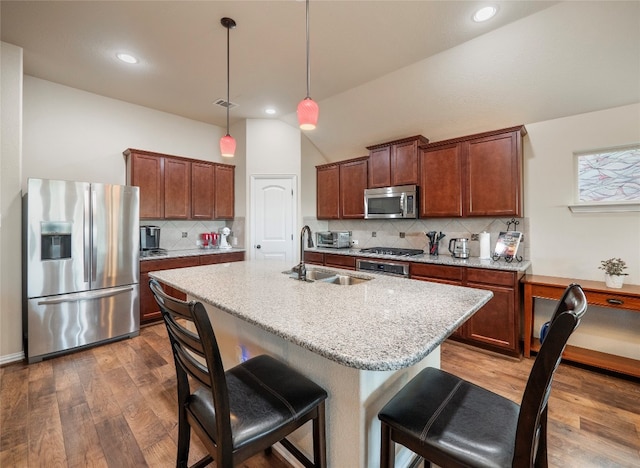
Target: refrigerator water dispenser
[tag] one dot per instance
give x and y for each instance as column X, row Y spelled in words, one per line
column 55, row 240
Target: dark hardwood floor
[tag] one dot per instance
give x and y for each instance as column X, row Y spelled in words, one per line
column 114, row 406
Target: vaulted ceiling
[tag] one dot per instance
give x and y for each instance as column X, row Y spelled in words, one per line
column 380, row 70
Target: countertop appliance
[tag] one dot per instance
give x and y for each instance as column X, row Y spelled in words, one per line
column 149, row 238
column 459, row 247
column 81, row 265
column 333, row 239
column 391, row 202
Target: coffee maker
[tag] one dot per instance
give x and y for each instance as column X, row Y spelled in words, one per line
column 149, row 238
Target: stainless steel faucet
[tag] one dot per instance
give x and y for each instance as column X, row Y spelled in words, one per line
column 301, row 268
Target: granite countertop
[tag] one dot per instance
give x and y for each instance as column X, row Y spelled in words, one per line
column 444, row 259
column 190, row 253
column 386, row 323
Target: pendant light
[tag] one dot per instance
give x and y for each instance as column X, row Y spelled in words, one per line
column 308, row 109
column 227, row 142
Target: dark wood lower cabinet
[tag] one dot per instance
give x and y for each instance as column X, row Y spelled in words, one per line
column 496, row 326
column 149, row 312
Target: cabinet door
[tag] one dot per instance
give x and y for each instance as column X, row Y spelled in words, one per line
column 380, row 167
column 353, row 182
column 202, row 190
column 328, row 192
column 224, row 187
column 221, row 258
column 404, row 163
column 177, row 175
column 441, row 181
column 494, row 324
column 493, row 173
column 146, row 172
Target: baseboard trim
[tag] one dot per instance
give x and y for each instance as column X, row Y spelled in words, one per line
column 11, row 358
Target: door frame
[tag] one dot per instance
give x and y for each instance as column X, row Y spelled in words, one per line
column 294, row 208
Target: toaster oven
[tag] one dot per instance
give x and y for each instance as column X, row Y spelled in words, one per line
column 333, row 239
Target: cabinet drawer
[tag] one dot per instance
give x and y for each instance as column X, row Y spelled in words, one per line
column 221, row 258
column 168, row 264
column 314, row 257
column 613, row 300
column 492, row 277
column 344, row 261
column 444, row 272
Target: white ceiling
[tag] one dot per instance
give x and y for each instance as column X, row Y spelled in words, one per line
column 380, row 70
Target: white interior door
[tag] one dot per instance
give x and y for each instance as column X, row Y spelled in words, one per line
column 272, row 213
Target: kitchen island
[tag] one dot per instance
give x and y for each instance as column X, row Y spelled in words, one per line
column 361, row 342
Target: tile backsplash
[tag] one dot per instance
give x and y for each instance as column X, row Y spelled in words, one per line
column 171, row 232
column 387, row 233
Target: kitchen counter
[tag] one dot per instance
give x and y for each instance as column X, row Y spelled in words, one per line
column 383, row 324
column 361, row 342
column 444, row 259
column 190, row 253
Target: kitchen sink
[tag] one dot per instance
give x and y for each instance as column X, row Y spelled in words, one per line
column 331, row 277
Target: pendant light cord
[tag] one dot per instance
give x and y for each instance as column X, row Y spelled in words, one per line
column 228, row 104
column 308, row 63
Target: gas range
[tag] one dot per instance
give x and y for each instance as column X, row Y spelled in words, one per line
column 392, row 251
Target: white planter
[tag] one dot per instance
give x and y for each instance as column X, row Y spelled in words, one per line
column 614, row 281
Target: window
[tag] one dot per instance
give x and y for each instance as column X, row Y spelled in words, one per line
column 608, row 179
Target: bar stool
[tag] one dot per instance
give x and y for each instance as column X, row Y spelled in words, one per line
column 453, row 423
column 240, row 412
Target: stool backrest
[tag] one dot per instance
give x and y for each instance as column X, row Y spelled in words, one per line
column 196, row 354
column 531, row 428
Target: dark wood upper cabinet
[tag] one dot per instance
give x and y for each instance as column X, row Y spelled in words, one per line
column 476, row 175
column 441, row 181
column 177, row 175
column 172, row 187
column 340, row 189
column 224, row 191
column 395, row 162
column 328, row 191
column 202, row 190
column 353, row 181
column 146, row 171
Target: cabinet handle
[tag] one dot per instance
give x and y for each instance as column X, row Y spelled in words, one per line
column 615, row 301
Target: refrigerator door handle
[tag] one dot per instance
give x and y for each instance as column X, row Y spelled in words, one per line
column 94, row 244
column 87, row 235
column 85, row 296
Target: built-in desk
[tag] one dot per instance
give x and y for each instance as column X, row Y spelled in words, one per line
column 550, row 287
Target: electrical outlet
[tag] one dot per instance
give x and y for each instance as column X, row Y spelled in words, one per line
column 475, row 237
column 374, row 234
column 402, row 235
column 354, row 242
column 184, row 234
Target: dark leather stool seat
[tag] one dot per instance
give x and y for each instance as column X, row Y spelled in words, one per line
column 454, row 423
column 244, row 410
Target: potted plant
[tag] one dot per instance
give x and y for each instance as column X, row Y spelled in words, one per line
column 613, row 268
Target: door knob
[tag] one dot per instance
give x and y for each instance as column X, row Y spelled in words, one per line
column 258, row 246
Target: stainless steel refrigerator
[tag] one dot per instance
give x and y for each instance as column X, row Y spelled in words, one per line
column 81, row 265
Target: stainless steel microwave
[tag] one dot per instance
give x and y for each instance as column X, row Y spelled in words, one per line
column 391, row 202
column 333, row 239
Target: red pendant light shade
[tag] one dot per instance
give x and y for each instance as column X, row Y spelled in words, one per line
column 308, row 109
column 227, row 146
column 227, row 142
column 308, row 114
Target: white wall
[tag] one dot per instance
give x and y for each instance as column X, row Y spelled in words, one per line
column 311, row 157
column 74, row 135
column 569, row 244
column 10, row 203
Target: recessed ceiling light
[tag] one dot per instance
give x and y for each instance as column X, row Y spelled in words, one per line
column 270, row 111
column 483, row 14
column 127, row 58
